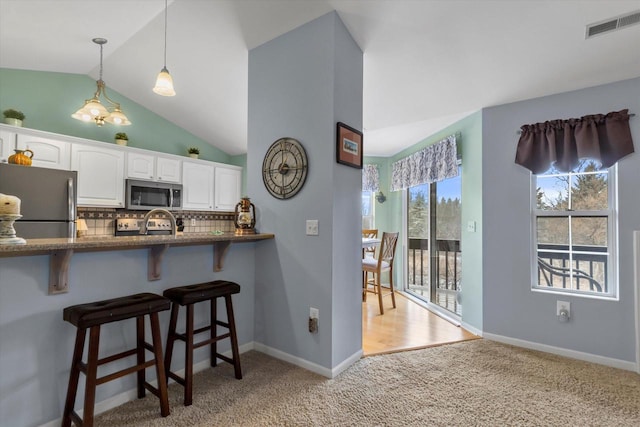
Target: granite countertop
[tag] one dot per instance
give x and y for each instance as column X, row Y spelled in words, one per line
column 34, row 246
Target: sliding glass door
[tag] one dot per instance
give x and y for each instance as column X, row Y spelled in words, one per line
column 434, row 264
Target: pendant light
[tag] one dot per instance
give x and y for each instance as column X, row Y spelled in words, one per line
column 164, row 82
column 94, row 110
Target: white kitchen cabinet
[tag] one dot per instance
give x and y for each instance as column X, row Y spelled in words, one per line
column 100, row 175
column 168, row 170
column 197, row 186
column 151, row 167
column 47, row 152
column 7, row 145
column 141, row 166
column 227, row 187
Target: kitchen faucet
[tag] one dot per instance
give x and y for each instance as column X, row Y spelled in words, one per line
column 143, row 227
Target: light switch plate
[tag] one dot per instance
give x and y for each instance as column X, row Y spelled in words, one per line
column 471, row 226
column 312, row 227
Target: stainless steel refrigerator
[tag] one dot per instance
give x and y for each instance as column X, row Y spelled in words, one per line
column 48, row 200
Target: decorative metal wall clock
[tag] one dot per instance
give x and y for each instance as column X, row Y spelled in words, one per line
column 284, row 169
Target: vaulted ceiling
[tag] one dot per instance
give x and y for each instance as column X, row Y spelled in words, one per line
column 426, row 63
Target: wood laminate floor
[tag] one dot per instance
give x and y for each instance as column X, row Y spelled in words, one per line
column 407, row 327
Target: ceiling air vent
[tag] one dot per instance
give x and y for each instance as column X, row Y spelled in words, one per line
column 613, row 24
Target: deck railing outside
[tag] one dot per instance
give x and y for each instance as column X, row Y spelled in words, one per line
column 588, row 267
column 448, row 267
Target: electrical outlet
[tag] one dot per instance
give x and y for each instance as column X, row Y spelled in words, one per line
column 563, row 310
column 471, row 226
column 193, row 222
column 314, row 314
column 313, row 325
column 312, row 227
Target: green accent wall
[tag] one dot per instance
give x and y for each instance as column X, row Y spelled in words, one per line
column 48, row 100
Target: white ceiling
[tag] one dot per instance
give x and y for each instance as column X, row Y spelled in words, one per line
column 426, row 63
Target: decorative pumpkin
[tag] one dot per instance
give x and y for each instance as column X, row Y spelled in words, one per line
column 21, row 158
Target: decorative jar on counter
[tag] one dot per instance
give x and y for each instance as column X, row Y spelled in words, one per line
column 21, row 157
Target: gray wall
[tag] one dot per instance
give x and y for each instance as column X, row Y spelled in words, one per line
column 37, row 345
column 511, row 309
column 300, row 84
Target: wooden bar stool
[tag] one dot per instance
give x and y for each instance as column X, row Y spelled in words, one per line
column 188, row 296
column 91, row 316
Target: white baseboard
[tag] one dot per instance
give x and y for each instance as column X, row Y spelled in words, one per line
column 346, row 363
column 305, row 364
column 129, row 395
column 587, row 357
column 475, row 331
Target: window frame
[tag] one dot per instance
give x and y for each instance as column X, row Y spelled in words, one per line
column 372, row 203
column 612, row 237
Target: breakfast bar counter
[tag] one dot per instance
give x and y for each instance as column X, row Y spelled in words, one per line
column 61, row 250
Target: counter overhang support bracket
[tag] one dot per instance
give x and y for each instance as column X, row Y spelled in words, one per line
column 154, row 268
column 59, row 271
column 219, row 251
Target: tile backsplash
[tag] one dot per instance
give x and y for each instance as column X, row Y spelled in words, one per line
column 102, row 221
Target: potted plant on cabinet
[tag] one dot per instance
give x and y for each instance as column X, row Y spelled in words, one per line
column 122, row 138
column 13, row 117
column 193, row 152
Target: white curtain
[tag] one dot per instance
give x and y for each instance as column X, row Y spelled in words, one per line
column 370, row 178
column 434, row 163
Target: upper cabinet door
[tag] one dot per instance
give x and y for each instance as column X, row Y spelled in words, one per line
column 151, row 167
column 47, row 153
column 197, row 186
column 100, row 175
column 141, row 166
column 168, row 170
column 228, row 184
column 7, row 145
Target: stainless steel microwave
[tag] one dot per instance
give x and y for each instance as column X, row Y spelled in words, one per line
column 147, row 195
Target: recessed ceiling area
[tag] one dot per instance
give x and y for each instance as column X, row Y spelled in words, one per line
column 426, row 63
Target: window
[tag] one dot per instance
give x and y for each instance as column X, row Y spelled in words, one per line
column 574, row 230
column 368, row 215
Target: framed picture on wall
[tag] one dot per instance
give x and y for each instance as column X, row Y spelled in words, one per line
column 349, row 146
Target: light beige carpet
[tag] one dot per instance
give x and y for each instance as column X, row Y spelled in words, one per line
column 473, row 383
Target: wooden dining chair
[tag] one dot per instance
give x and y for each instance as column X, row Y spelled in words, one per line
column 367, row 252
column 370, row 234
column 383, row 264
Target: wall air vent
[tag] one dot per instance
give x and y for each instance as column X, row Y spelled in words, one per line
column 612, row 24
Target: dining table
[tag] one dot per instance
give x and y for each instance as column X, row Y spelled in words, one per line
column 370, row 242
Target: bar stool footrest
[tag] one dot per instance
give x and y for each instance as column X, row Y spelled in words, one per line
column 124, row 372
column 175, row 377
column 224, row 358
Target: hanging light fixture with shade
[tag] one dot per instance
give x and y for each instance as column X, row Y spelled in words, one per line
column 164, row 82
column 94, row 110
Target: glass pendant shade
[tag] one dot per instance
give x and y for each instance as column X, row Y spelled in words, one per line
column 82, row 114
column 92, row 110
column 117, row 117
column 95, row 108
column 164, row 83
